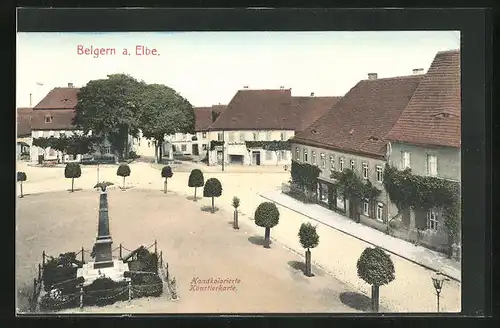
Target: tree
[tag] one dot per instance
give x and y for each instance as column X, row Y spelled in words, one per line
column 123, row 171
column 308, row 239
column 109, row 107
column 235, row 204
column 212, row 188
column 166, row 172
column 267, row 216
column 196, row 180
column 21, row 177
column 42, row 143
column 164, row 112
column 72, row 171
column 375, row 267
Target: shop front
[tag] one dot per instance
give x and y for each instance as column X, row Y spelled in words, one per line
column 329, row 198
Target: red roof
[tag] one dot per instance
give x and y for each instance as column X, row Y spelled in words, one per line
column 61, row 119
column 311, row 108
column 360, row 121
column 433, row 115
column 24, row 121
column 59, row 98
column 203, row 116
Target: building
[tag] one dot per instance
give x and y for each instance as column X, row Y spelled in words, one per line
column 427, row 138
column 262, row 115
column 195, row 144
column 354, row 135
column 23, row 131
column 53, row 117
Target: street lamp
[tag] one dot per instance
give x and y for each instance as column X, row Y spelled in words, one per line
column 438, row 279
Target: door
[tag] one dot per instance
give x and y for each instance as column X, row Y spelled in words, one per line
column 257, row 158
column 195, row 150
column 219, row 157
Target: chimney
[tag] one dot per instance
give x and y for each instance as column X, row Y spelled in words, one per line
column 70, row 85
column 418, row 71
column 30, row 99
column 372, row 76
column 312, row 94
column 245, row 87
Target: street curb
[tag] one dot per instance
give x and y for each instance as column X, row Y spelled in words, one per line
column 363, row 240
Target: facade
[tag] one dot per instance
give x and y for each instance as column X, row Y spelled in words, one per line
column 427, row 139
column 53, row 117
column 262, row 115
column 23, row 131
column 354, row 135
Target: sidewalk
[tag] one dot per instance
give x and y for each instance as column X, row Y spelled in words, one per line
column 417, row 254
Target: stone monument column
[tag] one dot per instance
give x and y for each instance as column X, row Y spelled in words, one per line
column 102, row 247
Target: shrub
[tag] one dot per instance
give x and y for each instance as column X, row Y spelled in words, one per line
column 133, row 155
column 308, row 238
column 21, row 177
column 267, row 216
column 123, row 171
column 212, row 188
column 196, row 180
column 72, row 171
column 104, row 291
column 375, row 267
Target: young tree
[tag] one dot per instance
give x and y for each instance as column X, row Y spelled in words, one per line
column 375, row 267
column 308, row 239
column 166, row 172
column 236, row 204
column 42, row 143
column 196, row 180
column 21, row 177
column 72, row 171
column 212, row 188
column 123, row 171
column 111, row 107
column 164, row 112
column 267, row 216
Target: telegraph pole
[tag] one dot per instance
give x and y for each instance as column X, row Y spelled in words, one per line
column 223, row 146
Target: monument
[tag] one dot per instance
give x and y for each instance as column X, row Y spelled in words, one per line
column 104, row 265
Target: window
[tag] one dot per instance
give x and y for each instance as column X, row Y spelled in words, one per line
column 204, row 147
column 46, row 134
column 313, row 157
column 379, row 173
column 255, row 136
column 332, row 162
column 366, row 208
column 48, row 119
column 353, row 165
column 220, row 136
column 341, row 165
column 323, row 160
column 231, row 136
column 283, row 155
column 242, row 136
column 269, row 155
column 269, row 136
column 405, row 160
column 305, row 155
column 432, row 165
column 365, row 171
column 282, row 136
column 107, row 150
column 262, row 136
column 204, row 135
column 297, row 153
column 432, row 220
column 183, row 148
column 380, row 212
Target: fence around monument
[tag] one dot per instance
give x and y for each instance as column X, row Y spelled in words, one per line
column 118, row 252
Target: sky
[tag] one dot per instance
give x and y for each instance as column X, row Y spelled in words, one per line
column 208, row 68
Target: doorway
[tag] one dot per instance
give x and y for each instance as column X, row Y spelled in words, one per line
column 256, row 157
column 195, row 150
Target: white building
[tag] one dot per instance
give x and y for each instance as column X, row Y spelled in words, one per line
column 262, row 115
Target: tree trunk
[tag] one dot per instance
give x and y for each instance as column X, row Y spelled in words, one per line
column 123, row 183
column 277, row 159
column 235, row 219
column 72, row 184
column 308, row 263
column 194, row 194
column 375, row 298
column 267, row 238
column 156, row 154
column 21, row 190
column 213, row 206
column 165, row 186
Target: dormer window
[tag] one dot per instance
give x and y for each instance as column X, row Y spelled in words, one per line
column 444, row 114
column 48, row 119
column 372, row 138
column 314, row 131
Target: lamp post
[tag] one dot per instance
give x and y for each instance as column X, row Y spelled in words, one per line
column 438, row 279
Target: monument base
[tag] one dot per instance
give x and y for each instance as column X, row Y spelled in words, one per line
column 92, row 270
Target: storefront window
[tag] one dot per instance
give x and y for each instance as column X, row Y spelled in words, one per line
column 323, row 192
